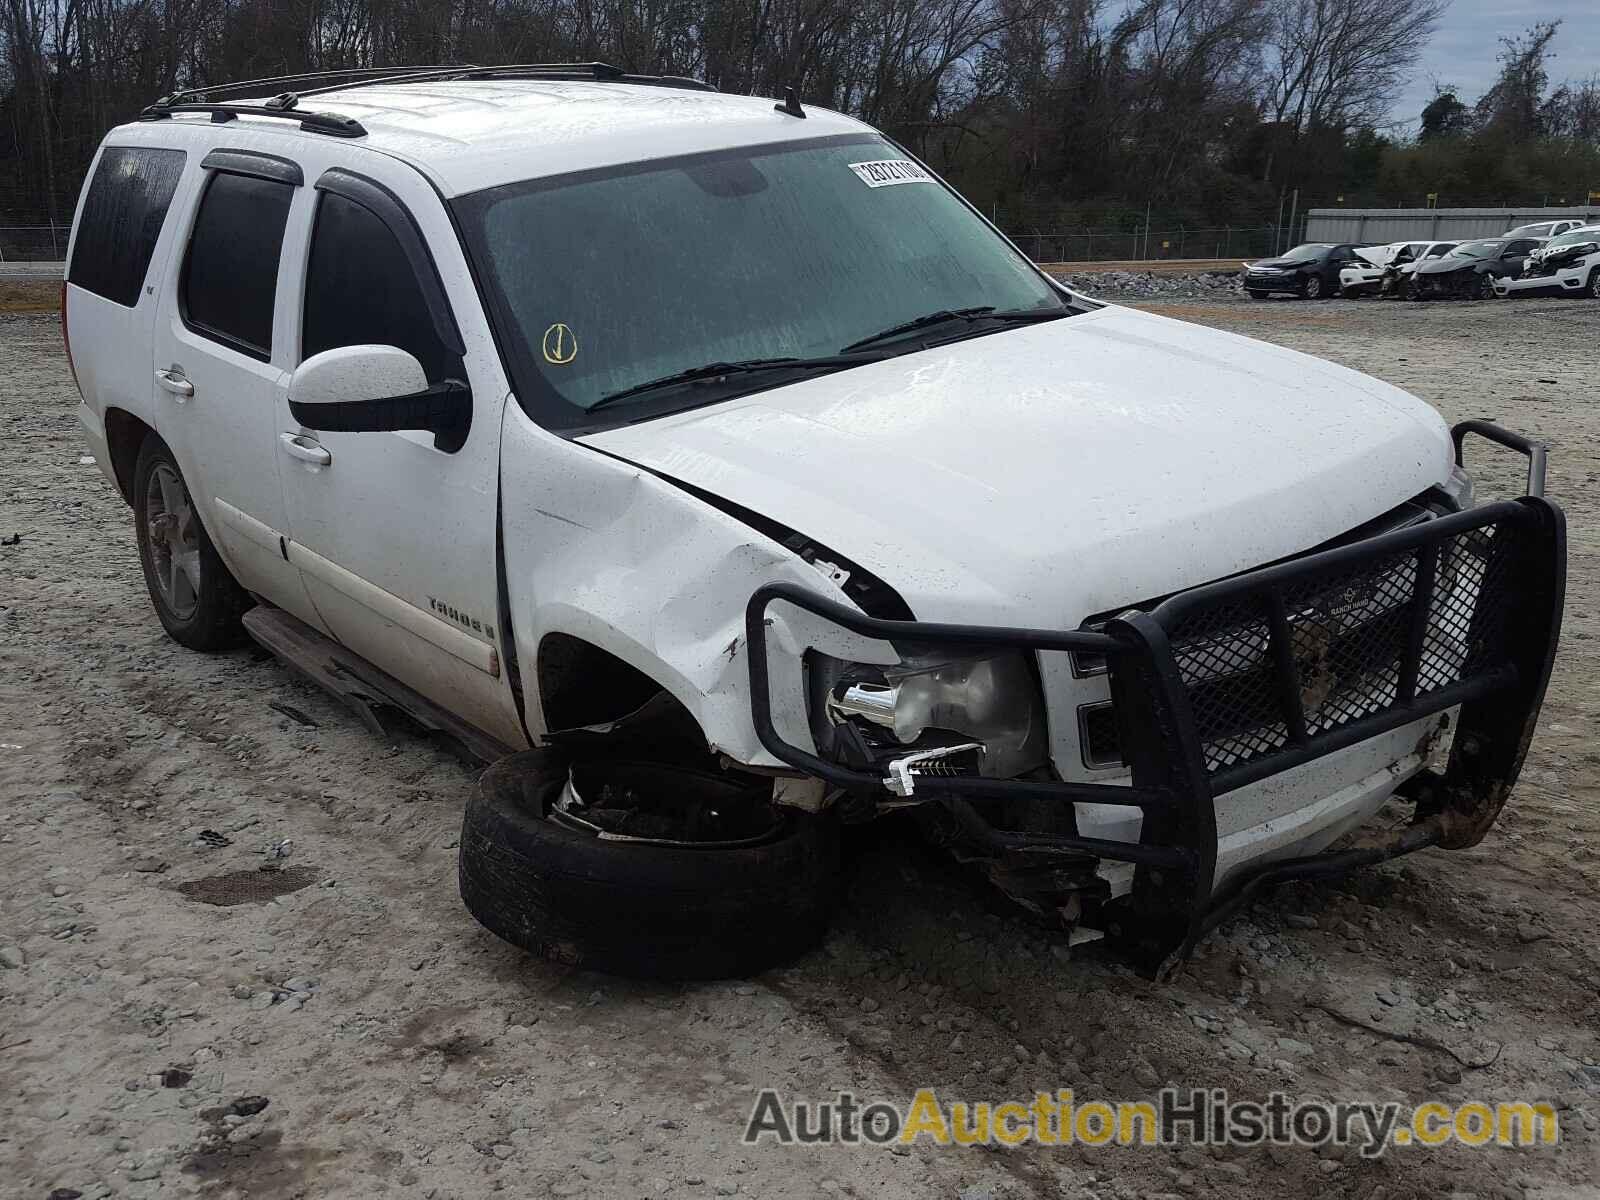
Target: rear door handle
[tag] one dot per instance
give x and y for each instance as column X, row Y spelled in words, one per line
column 175, row 382
column 306, row 449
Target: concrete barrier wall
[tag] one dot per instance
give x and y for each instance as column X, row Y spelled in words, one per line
column 1366, row 225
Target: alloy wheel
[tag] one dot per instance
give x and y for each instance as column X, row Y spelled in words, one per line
column 174, row 541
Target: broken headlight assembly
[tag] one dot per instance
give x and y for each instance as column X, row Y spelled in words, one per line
column 979, row 713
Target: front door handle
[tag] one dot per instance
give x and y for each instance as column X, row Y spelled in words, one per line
column 174, row 380
column 306, row 449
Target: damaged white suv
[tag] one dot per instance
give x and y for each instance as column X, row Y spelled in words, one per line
column 718, row 449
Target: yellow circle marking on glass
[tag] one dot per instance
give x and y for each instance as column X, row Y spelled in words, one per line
column 560, row 345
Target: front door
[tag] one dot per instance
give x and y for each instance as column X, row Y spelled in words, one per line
column 395, row 533
column 221, row 362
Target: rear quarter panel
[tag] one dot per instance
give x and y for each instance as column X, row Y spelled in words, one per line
column 111, row 343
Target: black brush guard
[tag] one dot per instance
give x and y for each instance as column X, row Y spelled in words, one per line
column 1228, row 683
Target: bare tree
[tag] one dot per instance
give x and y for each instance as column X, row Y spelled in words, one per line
column 1336, row 64
column 1511, row 108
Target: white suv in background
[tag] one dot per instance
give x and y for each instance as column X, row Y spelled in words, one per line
column 1542, row 229
column 718, row 449
column 1566, row 265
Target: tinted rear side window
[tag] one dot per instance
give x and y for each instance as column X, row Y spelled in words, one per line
column 122, row 217
column 230, row 277
column 360, row 289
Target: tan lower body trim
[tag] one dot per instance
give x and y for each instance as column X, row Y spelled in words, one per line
column 392, row 608
column 247, row 526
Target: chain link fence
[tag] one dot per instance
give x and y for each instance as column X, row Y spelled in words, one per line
column 48, row 243
column 33, row 243
column 1090, row 245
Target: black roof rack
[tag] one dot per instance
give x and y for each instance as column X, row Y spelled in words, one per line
column 603, row 72
column 356, row 76
column 285, row 105
column 312, row 122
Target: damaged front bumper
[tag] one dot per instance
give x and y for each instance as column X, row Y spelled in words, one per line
column 1460, row 284
column 1231, row 683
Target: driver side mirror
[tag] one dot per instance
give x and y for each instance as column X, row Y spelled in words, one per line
column 378, row 389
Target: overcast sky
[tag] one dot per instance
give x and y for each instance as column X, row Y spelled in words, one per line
column 1463, row 50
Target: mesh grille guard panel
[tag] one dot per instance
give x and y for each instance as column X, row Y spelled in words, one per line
column 1293, row 658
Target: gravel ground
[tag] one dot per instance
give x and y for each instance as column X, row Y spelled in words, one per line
column 1134, row 285
column 360, row 1036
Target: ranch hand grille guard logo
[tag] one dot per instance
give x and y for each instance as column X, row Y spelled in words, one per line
column 887, row 172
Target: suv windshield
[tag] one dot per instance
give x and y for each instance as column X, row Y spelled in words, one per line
column 607, row 280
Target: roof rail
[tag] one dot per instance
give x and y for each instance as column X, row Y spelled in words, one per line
column 603, row 72
column 596, row 70
column 285, row 104
column 313, row 122
column 366, row 74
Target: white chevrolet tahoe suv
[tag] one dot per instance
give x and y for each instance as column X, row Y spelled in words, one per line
column 717, row 472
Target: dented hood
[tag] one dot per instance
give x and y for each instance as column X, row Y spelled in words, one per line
column 1042, row 474
column 1378, row 256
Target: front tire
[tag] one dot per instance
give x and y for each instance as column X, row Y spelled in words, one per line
column 196, row 599
column 633, row 907
column 1592, row 288
column 1484, row 288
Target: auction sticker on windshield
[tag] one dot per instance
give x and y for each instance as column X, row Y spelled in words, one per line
column 886, row 172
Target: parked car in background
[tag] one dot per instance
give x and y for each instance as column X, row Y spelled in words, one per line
column 1310, row 271
column 1366, row 274
column 1543, row 229
column 1568, row 265
column 1366, row 269
column 1469, row 271
column 1399, row 279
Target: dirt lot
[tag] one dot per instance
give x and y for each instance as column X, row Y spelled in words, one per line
column 402, row 1051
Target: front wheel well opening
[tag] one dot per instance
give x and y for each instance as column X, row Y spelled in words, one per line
column 581, row 684
column 125, row 434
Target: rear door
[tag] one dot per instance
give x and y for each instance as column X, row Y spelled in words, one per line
column 220, row 364
column 120, row 245
column 396, row 533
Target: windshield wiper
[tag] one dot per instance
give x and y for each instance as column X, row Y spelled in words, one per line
column 981, row 312
column 748, row 366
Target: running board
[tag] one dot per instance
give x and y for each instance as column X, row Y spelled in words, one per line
column 357, row 684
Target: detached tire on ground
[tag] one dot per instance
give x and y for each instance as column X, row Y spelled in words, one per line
column 634, row 908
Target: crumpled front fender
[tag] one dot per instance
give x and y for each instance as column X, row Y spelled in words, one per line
column 607, row 552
